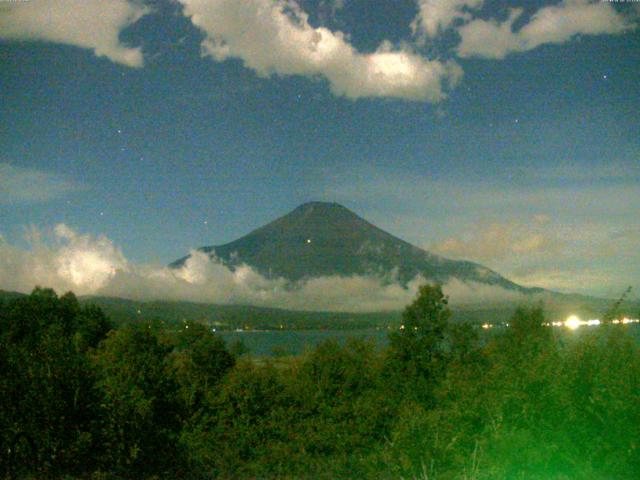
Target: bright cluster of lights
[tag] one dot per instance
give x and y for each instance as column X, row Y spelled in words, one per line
column 402, row 327
column 572, row 322
column 626, row 321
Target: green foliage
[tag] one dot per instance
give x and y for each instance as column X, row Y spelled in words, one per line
column 421, row 337
column 48, row 420
column 267, row 421
column 529, row 405
column 342, row 390
column 78, row 398
column 238, row 348
column 145, row 401
column 199, row 360
column 418, row 350
column 141, row 412
column 527, row 333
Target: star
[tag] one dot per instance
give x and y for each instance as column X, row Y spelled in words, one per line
column 604, row 77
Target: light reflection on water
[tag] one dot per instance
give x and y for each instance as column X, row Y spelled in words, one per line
column 294, row 342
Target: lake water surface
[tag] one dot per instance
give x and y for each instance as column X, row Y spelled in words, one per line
column 291, row 342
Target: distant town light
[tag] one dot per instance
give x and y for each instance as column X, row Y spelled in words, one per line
column 573, row 322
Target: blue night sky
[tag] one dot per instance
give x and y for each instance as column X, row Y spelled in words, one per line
column 505, row 132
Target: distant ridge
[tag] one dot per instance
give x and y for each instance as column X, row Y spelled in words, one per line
column 7, row 295
column 323, row 239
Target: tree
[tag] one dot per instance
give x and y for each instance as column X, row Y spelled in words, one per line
column 49, row 417
column 142, row 411
column 200, row 360
column 527, row 334
column 418, row 349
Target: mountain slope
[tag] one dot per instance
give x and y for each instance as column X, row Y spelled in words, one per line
column 321, row 239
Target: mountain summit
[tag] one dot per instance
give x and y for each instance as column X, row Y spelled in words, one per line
column 322, row 239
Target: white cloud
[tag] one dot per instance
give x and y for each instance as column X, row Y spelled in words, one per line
column 557, row 24
column 66, row 260
column 579, row 280
column 90, row 24
column 25, row 185
column 489, row 38
column 435, row 16
column 499, row 241
column 86, row 262
column 274, row 37
column 553, row 24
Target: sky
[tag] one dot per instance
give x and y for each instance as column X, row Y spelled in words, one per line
column 503, row 132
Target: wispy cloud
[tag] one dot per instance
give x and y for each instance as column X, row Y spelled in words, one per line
column 568, row 191
column 500, row 241
column 435, row 16
column 575, row 230
column 554, row 24
column 27, row 185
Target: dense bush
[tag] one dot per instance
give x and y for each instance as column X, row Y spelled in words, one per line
column 530, row 402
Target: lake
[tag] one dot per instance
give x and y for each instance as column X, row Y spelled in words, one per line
column 292, row 342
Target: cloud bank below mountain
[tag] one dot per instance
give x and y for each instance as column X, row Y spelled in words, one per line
column 88, row 265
